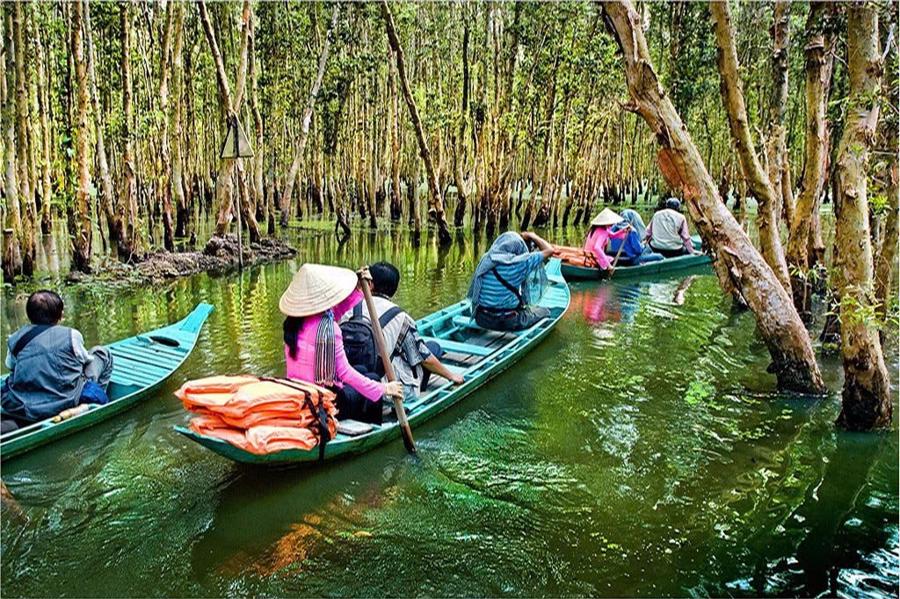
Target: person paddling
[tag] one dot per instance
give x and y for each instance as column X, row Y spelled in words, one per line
column 50, row 368
column 601, row 233
column 313, row 304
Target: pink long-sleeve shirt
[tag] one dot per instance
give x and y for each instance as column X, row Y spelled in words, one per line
column 596, row 244
column 303, row 367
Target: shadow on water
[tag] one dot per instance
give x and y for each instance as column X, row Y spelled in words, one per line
column 641, row 449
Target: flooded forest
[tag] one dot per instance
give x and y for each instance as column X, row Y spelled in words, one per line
column 728, row 431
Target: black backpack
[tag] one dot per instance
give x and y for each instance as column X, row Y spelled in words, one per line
column 359, row 340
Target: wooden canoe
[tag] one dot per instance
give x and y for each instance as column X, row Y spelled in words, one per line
column 140, row 365
column 582, row 273
column 478, row 354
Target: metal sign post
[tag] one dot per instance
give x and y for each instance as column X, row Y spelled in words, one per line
column 235, row 147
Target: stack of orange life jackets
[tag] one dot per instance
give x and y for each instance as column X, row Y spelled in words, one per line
column 575, row 256
column 260, row 415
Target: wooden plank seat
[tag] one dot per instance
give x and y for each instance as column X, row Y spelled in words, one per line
column 458, row 347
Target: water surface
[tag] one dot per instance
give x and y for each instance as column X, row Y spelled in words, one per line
column 639, row 450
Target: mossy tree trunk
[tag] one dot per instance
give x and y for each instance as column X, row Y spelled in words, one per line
column 740, row 267
column 866, row 400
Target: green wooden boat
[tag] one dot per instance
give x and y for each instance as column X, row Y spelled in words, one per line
column 582, row 273
column 140, row 365
column 477, row 353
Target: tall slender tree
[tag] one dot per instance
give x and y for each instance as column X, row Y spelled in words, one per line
column 866, row 401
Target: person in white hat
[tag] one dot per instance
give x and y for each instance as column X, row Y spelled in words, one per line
column 600, row 234
column 313, row 303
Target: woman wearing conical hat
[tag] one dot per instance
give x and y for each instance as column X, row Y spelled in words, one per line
column 600, row 234
column 313, row 304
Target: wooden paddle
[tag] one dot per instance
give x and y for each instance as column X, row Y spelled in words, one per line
column 408, row 440
column 612, row 268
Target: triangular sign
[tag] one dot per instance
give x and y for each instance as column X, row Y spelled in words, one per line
column 236, row 143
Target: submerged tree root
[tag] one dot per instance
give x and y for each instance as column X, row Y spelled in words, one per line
column 220, row 255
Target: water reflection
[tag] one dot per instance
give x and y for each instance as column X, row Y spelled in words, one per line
column 639, row 450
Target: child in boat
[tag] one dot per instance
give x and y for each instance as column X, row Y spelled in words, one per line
column 633, row 252
column 508, row 280
column 313, row 304
column 412, row 358
column 668, row 232
column 50, row 369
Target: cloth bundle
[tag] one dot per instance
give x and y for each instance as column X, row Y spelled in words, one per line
column 259, row 415
column 575, row 256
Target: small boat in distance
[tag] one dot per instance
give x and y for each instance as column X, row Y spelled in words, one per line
column 573, row 272
column 476, row 353
column 140, row 365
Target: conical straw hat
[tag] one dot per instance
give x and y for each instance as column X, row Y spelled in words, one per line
column 316, row 288
column 606, row 218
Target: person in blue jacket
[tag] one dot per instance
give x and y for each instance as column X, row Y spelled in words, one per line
column 633, row 252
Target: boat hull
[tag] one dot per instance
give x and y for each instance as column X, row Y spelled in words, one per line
column 141, row 364
column 450, row 321
column 581, row 273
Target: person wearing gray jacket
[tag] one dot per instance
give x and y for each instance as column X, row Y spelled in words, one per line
column 50, row 368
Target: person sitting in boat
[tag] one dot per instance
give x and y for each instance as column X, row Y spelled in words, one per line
column 413, row 359
column 668, row 232
column 508, row 280
column 50, row 369
column 313, row 304
column 601, row 233
column 630, row 249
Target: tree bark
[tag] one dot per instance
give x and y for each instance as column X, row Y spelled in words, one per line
column 436, row 204
column 43, row 72
column 23, row 173
column 819, row 61
column 107, row 195
column 307, row 119
column 82, row 232
column 741, row 269
column 866, row 396
column 12, row 249
column 231, row 106
column 776, row 144
column 182, row 213
column 757, row 179
column 887, row 254
column 128, row 244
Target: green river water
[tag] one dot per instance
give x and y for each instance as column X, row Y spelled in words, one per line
column 639, row 450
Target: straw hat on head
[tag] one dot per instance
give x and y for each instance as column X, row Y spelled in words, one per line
column 316, row 288
column 606, row 218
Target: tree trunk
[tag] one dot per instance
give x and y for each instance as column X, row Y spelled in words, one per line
column 128, row 201
column 740, row 267
column 182, row 213
column 776, row 144
column 757, row 179
column 107, row 193
column 26, row 189
column 866, row 397
column 43, row 74
column 395, row 131
column 819, row 60
column 12, row 249
column 81, row 235
column 436, row 204
column 164, row 164
column 258, row 161
column 307, row 119
column 887, row 253
column 232, row 106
